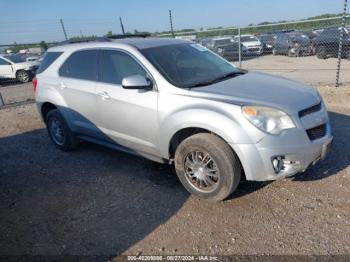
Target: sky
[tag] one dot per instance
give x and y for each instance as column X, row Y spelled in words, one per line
column 27, row 21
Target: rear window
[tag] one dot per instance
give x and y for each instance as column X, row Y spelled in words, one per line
column 81, row 65
column 48, row 59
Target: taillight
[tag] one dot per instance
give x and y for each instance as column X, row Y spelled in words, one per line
column 35, row 83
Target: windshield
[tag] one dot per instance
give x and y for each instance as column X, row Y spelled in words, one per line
column 15, row 58
column 188, row 65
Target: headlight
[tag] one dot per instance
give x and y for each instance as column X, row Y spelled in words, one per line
column 220, row 50
column 267, row 119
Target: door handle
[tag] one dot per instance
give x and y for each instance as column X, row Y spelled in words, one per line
column 63, row 85
column 104, row 95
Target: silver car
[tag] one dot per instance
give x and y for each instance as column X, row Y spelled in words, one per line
column 176, row 102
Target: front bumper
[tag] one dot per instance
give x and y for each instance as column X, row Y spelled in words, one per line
column 293, row 145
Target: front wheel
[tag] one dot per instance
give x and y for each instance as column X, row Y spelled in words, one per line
column 207, row 167
column 23, row 76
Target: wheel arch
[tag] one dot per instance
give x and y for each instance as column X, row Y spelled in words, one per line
column 189, row 122
column 45, row 108
column 184, row 133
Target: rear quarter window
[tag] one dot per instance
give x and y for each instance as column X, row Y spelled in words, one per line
column 48, row 59
column 81, row 65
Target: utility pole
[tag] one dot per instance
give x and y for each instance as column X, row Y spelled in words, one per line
column 340, row 49
column 121, row 25
column 171, row 24
column 64, row 29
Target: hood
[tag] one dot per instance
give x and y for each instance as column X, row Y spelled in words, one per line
column 252, row 43
column 261, row 89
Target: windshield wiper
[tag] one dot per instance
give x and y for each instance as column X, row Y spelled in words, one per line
column 216, row 80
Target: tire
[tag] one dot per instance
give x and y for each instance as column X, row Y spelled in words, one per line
column 321, row 52
column 23, row 76
column 221, row 163
column 59, row 132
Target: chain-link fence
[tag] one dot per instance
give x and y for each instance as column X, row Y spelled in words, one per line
column 314, row 51
column 307, row 51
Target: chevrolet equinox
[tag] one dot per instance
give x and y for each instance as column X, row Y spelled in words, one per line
column 174, row 101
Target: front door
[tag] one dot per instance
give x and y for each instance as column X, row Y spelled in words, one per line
column 6, row 70
column 127, row 117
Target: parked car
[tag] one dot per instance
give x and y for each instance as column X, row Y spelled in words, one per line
column 312, row 34
column 16, row 67
column 174, row 101
column 225, row 47
column 292, row 44
column 214, row 42
column 327, row 43
column 252, row 43
column 267, row 41
column 32, row 58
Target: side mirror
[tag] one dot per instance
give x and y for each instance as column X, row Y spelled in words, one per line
column 136, row 82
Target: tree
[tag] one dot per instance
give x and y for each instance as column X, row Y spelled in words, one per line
column 43, row 45
column 109, row 34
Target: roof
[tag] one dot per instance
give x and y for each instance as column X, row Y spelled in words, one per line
column 139, row 43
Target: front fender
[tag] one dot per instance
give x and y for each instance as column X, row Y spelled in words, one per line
column 222, row 125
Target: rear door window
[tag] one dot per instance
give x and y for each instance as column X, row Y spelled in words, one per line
column 48, row 59
column 81, row 65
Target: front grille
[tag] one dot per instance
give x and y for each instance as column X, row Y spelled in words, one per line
column 310, row 110
column 317, row 132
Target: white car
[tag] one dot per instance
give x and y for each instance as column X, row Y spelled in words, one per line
column 16, row 67
column 252, row 43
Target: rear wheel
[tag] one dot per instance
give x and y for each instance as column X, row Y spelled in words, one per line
column 207, row 167
column 59, row 131
column 23, row 76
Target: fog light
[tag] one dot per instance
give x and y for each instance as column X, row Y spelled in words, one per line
column 277, row 163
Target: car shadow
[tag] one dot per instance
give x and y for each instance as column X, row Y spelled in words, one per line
column 334, row 162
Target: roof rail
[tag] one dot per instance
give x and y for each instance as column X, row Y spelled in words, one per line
column 128, row 36
column 84, row 40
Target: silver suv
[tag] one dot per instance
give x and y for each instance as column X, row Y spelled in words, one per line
column 174, row 101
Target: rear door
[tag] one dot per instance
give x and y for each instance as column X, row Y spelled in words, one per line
column 6, row 69
column 77, row 85
column 127, row 117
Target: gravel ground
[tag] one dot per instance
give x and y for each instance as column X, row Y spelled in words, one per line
column 95, row 201
column 14, row 92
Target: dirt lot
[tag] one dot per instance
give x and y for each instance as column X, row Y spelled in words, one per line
column 97, row 201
